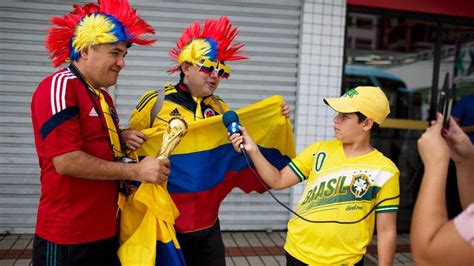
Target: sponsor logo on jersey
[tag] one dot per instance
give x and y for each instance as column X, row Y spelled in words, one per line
column 93, row 112
column 209, row 112
column 175, row 112
column 360, row 185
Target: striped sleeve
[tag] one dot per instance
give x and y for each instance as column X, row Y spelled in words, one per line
column 387, row 208
column 301, row 165
column 55, row 110
column 145, row 99
column 388, row 198
column 297, row 171
column 140, row 116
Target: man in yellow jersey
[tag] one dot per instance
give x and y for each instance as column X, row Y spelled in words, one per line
column 201, row 55
column 346, row 178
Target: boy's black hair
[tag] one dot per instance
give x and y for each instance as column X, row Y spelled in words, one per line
column 361, row 117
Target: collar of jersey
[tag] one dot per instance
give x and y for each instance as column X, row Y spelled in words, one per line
column 183, row 90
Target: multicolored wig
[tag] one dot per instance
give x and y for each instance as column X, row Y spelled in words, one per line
column 110, row 21
column 212, row 42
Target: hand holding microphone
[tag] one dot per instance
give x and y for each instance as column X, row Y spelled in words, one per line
column 237, row 134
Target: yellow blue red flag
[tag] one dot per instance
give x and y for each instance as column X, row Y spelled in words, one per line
column 205, row 167
column 147, row 234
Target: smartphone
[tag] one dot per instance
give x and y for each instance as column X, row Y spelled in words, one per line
column 444, row 107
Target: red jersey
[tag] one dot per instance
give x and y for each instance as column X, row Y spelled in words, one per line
column 72, row 210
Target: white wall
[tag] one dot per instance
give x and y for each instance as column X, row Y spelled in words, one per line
column 320, row 74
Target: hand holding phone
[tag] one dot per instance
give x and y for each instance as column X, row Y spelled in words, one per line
column 445, row 102
column 444, row 107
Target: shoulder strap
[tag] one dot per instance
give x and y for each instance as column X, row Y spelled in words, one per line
column 221, row 110
column 160, row 98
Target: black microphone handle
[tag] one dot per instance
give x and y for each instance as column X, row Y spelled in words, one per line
column 242, row 149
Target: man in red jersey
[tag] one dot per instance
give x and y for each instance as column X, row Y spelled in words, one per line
column 77, row 137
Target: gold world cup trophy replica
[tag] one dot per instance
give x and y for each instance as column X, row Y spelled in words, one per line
column 175, row 131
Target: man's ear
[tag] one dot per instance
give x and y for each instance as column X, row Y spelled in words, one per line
column 85, row 53
column 368, row 123
column 185, row 68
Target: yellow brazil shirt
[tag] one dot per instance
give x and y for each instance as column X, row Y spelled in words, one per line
column 339, row 189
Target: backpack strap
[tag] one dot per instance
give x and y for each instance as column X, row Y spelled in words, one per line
column 160, row 98
column 214, row 98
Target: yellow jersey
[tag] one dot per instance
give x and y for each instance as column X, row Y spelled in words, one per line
column 178, row 102
column 343, row 190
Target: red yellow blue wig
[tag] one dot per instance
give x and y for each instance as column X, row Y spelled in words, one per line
column 212, row 41
column 110, row 21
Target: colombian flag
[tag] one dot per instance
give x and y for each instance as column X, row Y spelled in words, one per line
column 205, row 167
column 147, row 235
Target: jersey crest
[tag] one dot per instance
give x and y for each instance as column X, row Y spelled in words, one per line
column 360, row 184
column 209, row 112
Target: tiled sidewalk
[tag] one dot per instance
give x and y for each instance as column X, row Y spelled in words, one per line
column 263, row 248
column 242, row 248
column 15, row 249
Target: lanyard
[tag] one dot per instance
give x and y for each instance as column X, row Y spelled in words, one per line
column 111, row 128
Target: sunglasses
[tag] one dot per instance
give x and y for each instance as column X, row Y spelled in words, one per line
column 208, row 66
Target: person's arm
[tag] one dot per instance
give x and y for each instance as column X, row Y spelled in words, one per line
column 434, row 239
column 386, row 237
column 272, row 176
column 465, row 181
column 83, row 165
column 462, row 153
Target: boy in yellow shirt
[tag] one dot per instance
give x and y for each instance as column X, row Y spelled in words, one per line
column 346, row 179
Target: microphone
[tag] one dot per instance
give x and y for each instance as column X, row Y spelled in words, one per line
column 231, row 122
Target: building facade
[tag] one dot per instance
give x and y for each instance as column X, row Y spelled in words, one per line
column 297, row 49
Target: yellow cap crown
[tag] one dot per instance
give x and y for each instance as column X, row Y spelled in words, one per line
column 370, row 101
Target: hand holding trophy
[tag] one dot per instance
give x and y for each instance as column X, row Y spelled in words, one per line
column 156, row 170
column 141, row 225
column 175, row 131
